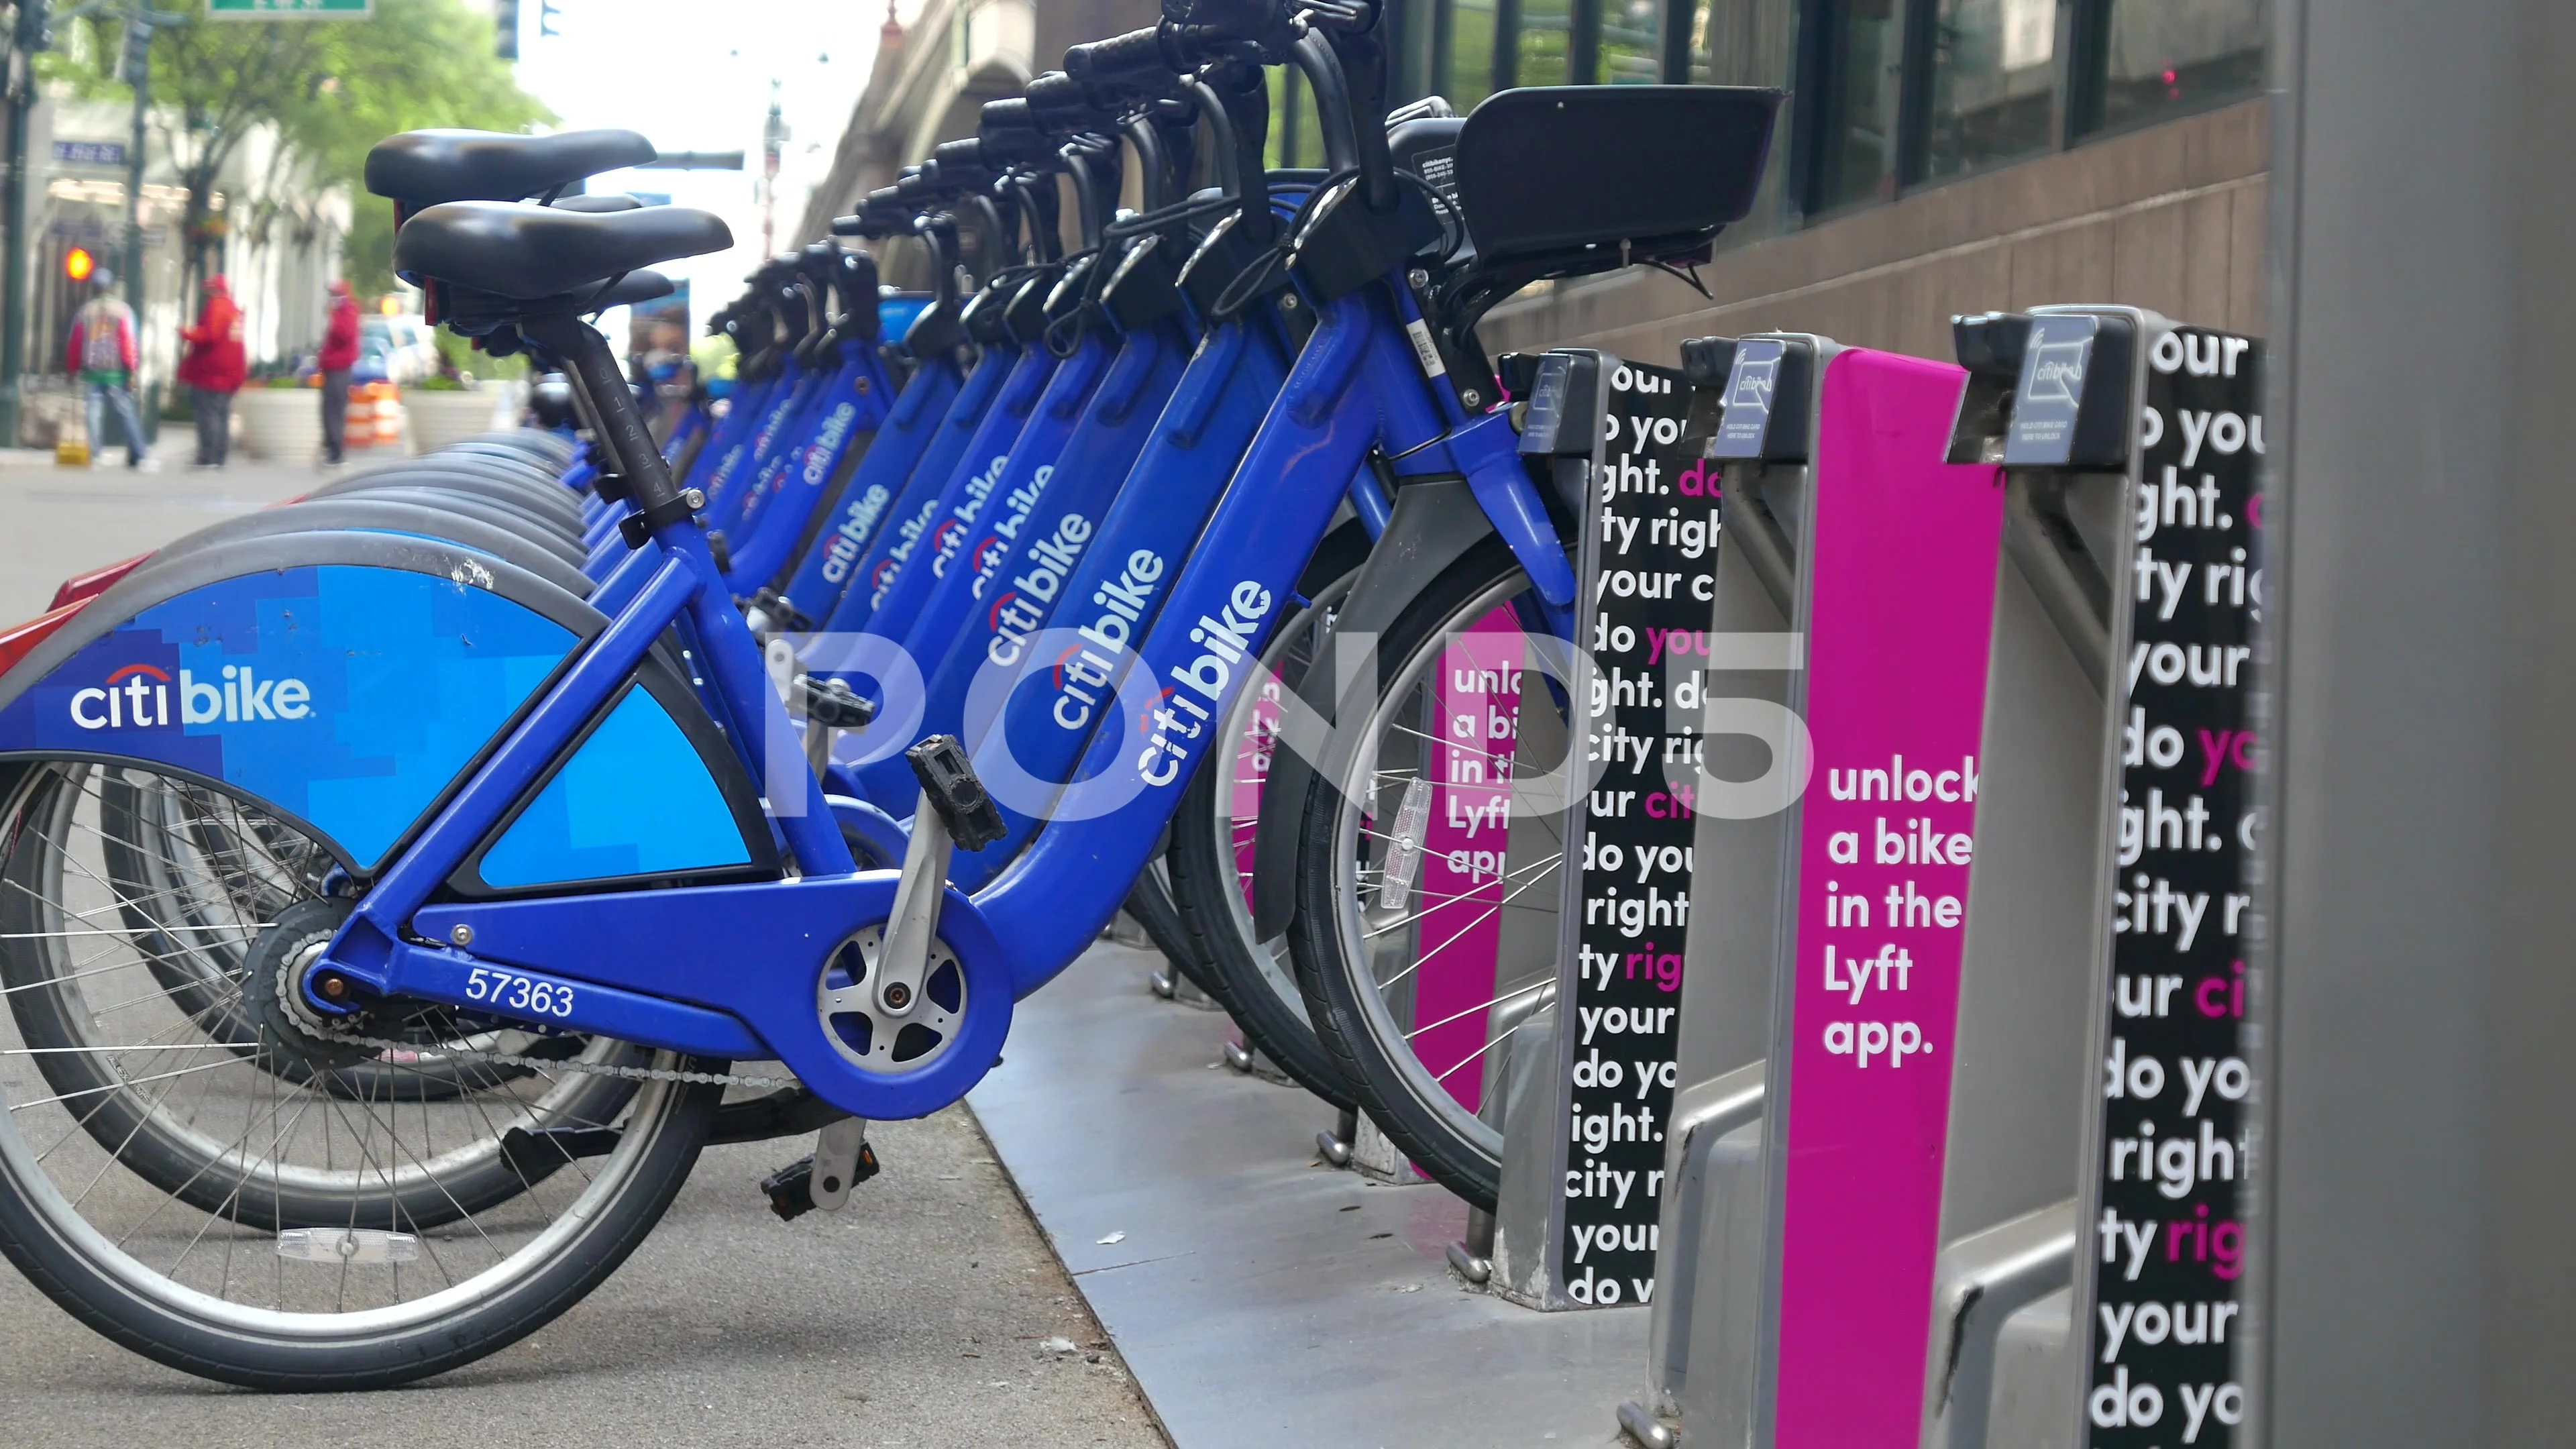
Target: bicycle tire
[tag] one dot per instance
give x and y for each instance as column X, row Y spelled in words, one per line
column 1352, row 1023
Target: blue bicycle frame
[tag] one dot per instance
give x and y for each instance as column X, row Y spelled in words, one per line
column 910, row 513
column 640, row 965
column 1061, row 694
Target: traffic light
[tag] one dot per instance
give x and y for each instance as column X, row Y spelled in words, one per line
column 134, row 52
column 505, row 24
column 78, row 264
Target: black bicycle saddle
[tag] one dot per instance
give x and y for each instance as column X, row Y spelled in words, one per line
column 525, row 253
column 424, row 168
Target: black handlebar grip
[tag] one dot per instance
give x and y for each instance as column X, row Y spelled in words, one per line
column 1007, row 115
column 967, row 153
column 1056, row 93
column 1119, row 58
column 1238, row 19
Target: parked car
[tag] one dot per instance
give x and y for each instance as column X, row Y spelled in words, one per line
column 394, row 349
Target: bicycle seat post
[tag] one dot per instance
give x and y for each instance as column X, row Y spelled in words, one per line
column 593, row 370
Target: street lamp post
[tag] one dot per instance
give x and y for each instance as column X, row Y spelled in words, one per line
column 30, row 37
column 138, row 74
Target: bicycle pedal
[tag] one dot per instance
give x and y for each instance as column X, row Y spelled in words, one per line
column 833, row 704
column 795, row 1190
column 949, row 782
column 789, row 1189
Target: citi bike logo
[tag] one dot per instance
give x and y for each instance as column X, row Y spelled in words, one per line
column 951, row 537
column 818, row 458
column 850, row 539
column 1226, row 639
column 989, row 553
column 138, row 697
column 906, row 535
column 1014, row 614
column 2057, row 372
column 1084, row 672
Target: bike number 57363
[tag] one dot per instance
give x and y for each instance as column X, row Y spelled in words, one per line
column 512, row 992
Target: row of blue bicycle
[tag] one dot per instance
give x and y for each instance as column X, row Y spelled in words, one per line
column 399, row 888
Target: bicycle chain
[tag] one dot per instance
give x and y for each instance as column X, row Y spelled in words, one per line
column 596, row 1069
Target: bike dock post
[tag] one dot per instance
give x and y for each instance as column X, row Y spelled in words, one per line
column 1587, row 1083
column 1761, row 449
column 2158, row 1240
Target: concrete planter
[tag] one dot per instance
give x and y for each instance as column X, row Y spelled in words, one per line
column 441, row 418
column 281, row 424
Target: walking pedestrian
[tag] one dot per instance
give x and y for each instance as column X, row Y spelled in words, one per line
column 101, row 353
column 213, row 370
column 339, row 354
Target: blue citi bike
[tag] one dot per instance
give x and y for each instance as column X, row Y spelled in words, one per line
column 391, row 897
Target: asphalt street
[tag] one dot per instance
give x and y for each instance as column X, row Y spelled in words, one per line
column 930, row 1312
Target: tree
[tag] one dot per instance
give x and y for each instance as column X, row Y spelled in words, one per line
column 328, row 89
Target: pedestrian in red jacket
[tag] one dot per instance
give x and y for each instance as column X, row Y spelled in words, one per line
column 213, row 370
column 339, row 354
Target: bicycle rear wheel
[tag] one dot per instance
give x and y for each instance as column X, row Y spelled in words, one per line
column 1428, row 870
column 1211, row 863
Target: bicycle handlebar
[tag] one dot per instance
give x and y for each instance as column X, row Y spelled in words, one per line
column 1122, row 59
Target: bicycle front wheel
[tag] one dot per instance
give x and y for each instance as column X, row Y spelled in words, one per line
column 188, row 1168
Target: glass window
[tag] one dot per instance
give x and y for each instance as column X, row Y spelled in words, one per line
column 1296, row 136
column 2164, row 54
column 1547, row 27
column 1859, row 105
column 1742, row 43
column 1630, row 39
column 1993, row 82
column 1469, row 53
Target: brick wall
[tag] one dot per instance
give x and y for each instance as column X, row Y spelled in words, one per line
column 2169, row 218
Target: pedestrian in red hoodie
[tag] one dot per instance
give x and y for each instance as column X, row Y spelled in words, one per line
column 339, row 354
column 213, row 370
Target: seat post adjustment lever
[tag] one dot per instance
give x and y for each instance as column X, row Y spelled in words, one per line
column 639, row 527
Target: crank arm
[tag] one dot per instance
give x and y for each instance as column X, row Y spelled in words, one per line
column 954, row 810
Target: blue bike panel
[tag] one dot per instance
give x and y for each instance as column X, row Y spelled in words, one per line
column 735, row 490
column 866, row 499
column 723, row 452
column 1114, row 593
column 633, row 800
column 1021, row 438
column 1355, row 385
column 1032, row 546
column 846, row 414
column 951, row 517
column 910, row 515
column 347, row 696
